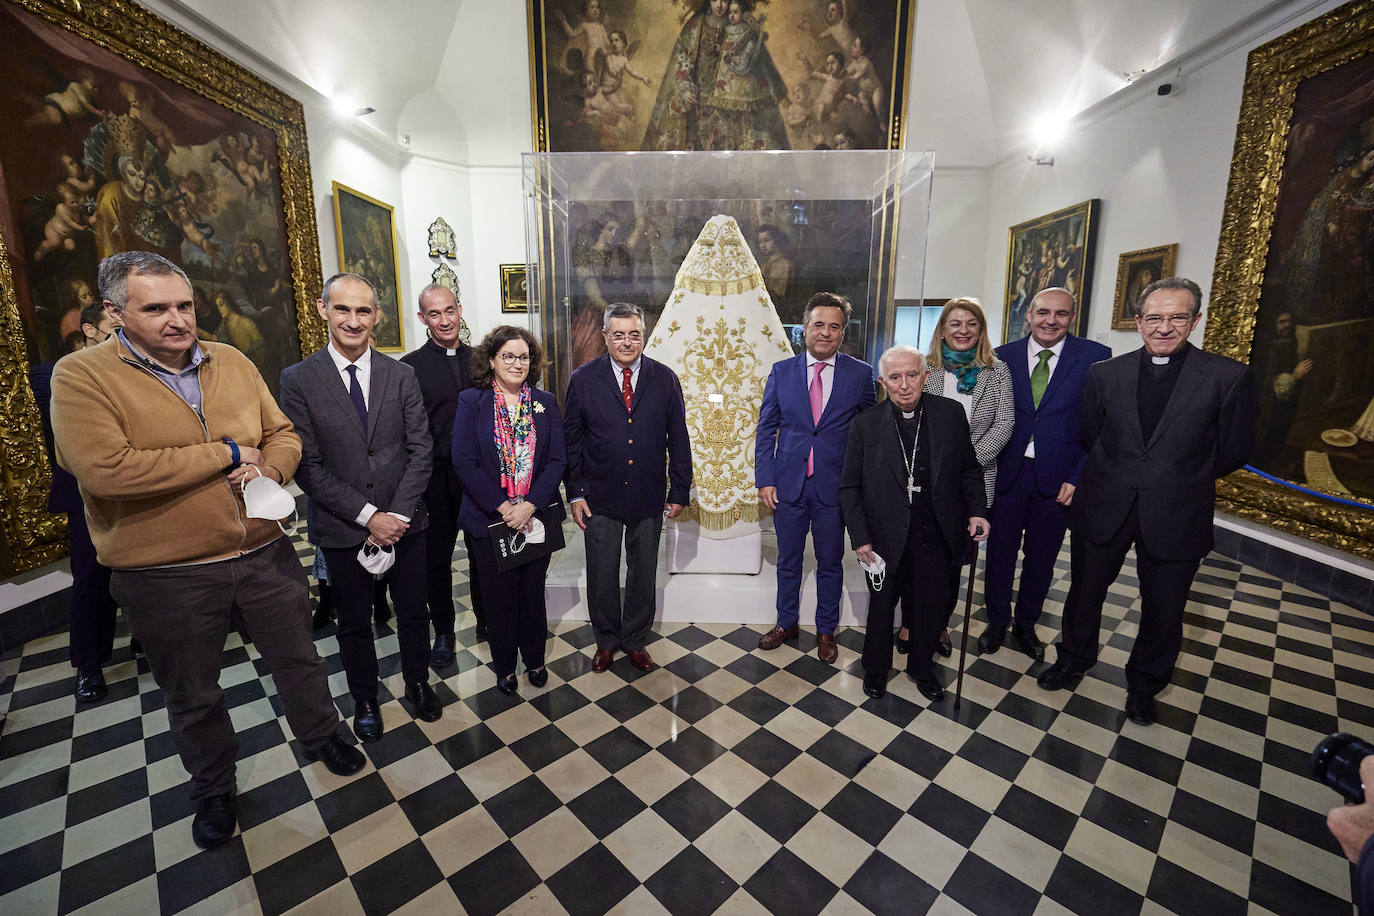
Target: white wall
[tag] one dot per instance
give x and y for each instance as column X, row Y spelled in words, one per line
column 1160, row 167
column 957, row 235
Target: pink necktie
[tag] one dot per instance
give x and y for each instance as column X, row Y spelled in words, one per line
column 817, row 405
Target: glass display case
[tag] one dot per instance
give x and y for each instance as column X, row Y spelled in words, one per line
column 616, row 227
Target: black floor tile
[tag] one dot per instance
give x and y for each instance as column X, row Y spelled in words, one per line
column 592, row 883
column 1228, row 763
column 1213, row 821
column 558, row 702
column 106, row 796
column 766, row 751
column 617, row 749
column 1305, row 716
column 692, row 705
column 864, row 814
column 397, row 743
column 353, row 801
column 605, row 807
column 298, row 877
column 956, row 818
column 757, row 704
column 917, row 755
column 469, row 745
column 625, row 703
column 1125, row 819
column 841, row 753
column 1099, row 714
column 437, row 803
column 1038, row 817
column 984, row 888
column 525, row 803
column 495, row 881
column 691, row 668
column 691, row 750
column 993, row 756
column 786, row 884
column 691, row 809
column 541, row 748
column 31, row 739
column 691, row 884
column 31, row 862
column 396, row 879
column 1164, row 767
column 1297, row 821
column 776, row 811
column 691, row 637
column 825, row 706
column 34, row 791
column 1070, row 758
column 203, row 875
column 1086, row 890
column 1024, row 709
column 888, row 889
column 272, row 799
column 1280, row 892
column 810, row 668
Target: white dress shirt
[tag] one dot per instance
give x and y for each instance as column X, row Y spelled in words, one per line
column 827, row 377
column 1033, row 348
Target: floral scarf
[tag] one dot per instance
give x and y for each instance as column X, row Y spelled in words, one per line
column 515, row 440
column 961, row 363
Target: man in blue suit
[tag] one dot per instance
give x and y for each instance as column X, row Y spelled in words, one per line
column 1039, row 468
column 619, row 472
column 803, row 426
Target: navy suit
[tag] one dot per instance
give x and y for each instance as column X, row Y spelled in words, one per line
column 622, row 462
column 1026, row 515
column 786, row 435
column 516, row 616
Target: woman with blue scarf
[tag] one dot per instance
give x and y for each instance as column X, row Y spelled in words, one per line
column 963, row 368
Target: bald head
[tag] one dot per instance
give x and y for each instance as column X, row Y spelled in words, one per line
column 442, row 314
column 1051, row 315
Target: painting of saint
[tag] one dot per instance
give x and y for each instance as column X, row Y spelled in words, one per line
column 719, row 74
column 365, row 229
column 114, row 158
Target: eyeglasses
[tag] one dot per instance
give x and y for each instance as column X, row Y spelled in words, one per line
column 621, row 337
column 511, row 359
column 1154, row 321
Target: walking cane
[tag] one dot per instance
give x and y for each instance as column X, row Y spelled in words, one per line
column 968, row 609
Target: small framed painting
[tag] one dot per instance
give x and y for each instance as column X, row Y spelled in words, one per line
column 365, row 229
column 1136, row 270
column 515, row 298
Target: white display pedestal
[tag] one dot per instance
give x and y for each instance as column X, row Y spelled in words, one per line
column 689, row 552
column 706, row 597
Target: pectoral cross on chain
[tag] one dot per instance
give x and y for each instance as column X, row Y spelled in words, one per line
column 911, row 489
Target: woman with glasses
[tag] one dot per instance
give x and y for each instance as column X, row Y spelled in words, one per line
column 509, row 457
column 963, row 368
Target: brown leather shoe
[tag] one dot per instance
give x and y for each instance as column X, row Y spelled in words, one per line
column 641, row 660
column 602, row 660
column 777, row 636
column 826, row 650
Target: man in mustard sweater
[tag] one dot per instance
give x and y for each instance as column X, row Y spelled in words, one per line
column 160, row 430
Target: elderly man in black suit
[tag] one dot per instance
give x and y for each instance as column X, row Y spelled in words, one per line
column 1160, row 424
column 443, row 367
column 912, row 495
column 365, row 463
column 624, row 477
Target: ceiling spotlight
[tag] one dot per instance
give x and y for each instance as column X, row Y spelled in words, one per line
column 1049, row 129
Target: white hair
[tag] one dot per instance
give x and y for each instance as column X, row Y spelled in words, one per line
column 901, row 348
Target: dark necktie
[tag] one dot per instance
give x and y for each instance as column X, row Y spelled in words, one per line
column 1040, row 376
column 626, row 391
column 355, row 391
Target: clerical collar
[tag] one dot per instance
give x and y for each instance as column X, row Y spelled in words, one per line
column 908, row 414
column 1160, row 360
column 450, row 351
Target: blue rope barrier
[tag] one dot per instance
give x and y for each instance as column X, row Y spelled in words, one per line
column 1304, row 490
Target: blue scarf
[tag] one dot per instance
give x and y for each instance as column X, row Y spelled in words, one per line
column 961, row 363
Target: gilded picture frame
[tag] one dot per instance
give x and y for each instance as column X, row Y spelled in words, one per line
column 365, row 232
column 515, row 295
column 1057, row 249
column 122, row 57
column 1295, row 226
column 771, row 82
column 1136, row 270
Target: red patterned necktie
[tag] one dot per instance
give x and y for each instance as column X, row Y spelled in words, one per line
column 817, row 407
column 625, row 390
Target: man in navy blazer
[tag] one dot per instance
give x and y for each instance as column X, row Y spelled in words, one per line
column 1039, row 468
column 808, row 402
column 618, row 473
column 365, row 463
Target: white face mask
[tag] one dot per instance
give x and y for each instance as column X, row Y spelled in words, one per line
column 877, row 572
column 376, row 558
column 535, row 535
column 263, row 497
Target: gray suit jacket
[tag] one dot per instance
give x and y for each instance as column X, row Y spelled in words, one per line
column 344, row 467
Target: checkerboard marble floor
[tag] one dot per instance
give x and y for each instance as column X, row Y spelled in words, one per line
column 729, row 780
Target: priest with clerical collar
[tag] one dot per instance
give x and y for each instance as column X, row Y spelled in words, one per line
column 912, row 495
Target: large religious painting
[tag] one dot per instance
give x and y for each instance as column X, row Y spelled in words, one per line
column 1051, row 250
column 122, row 134
column 365, row 230
column 612, row 75
column 1293, row 290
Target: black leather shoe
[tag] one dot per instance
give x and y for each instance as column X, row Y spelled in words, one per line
column 507, row 685
column 1140, row 708
column 441, row 656
column 539, row 676
column 943, row 648
column 213, row 824
column 903, row 645
column 480, row 632
column 875, row 685
column 1059, row 677
column 1025, row 639
column 930, row 688
column 991, row 640
column 135, row 647
column 426, row 702
column 338, row 758
column 90, row 685
column 367, row 721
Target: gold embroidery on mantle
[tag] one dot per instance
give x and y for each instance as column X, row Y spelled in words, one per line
column 719, row 264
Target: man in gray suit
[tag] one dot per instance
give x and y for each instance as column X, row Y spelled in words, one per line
column 365, row 464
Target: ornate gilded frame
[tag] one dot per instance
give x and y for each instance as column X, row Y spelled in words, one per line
column 1274, row 72
column 31, row 536
column 1024, row 233
column 1164, row 256
column 515, row 297
column 336, row 192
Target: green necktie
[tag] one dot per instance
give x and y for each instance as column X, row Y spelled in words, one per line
column 1040, row 377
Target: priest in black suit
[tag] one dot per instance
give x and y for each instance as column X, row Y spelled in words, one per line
column 912, row 494
column 443, row 367
column 1160, row 426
